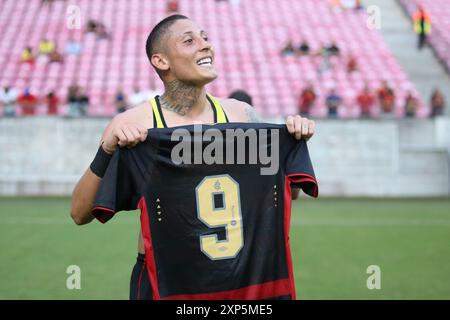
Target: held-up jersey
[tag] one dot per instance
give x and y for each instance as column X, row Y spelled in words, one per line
column 211, row 231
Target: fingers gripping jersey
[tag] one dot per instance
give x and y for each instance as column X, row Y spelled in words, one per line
column 211, row 231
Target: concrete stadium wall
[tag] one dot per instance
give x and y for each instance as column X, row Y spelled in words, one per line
column 46, row 156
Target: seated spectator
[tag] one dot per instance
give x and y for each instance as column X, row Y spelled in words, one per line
column 52, row 103
column 352, row 64
column 72, row 100
column 27, row 56
column 289, row 49
column 306, row 100
column 73, row 48
column 303, row 49
column 46, row 47
column 28, row 102
column 91, row 26
column 365, row 101
column 136, row 97
column 386, row 97
column 410, row 105
column 120, row 101
column 172, row 6
column 78, row 101
column 437, row 103
column 8, row 97
column 324, row 56
column 333, row 49
column 149, row 94
column 98, row 28
column 333, row 101
column 241, row 95
column 56, row 57
column 83, row 101
column 101, row 32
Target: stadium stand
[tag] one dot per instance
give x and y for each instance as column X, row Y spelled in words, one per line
column 248, row 38
column 439, row 38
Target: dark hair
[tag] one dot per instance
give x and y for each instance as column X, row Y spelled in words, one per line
column 241, row 95
column 158, row 32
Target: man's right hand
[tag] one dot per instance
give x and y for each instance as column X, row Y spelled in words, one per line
column 123, row 134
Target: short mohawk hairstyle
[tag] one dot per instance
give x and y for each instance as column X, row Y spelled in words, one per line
column 158, row 32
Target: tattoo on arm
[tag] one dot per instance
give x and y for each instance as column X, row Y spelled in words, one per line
column 251, row 114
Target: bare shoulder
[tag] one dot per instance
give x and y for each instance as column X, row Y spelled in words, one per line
column 141, row 114
column 238, row 111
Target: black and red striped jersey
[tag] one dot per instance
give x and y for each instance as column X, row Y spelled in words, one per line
column 212, row 229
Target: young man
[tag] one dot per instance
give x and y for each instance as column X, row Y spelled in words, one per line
column 181, row 54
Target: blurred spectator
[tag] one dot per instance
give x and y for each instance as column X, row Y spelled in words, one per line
column 289, row 49
column 333, row 101
column 172, row 6
column 8, row 97
column 28, row 102
column 78, row 101
column 365, row 101
column 410, row 105
column 83, row 101
column 98, row 28
column 149, row 94
column 52, row 102
column 437, row 103
column 27, row 56
column 72, row 100
column 241, row 95
column 359, row 5
column 324, row 56
column 352, row 64
column 73, row 48
column 46, row 47
column 422, row 26
column 137, row 97
column 92, row 26
column 120, row 101
column 306, row 100
column 56, row 56
column 304, row 48
column 386, row 97
column 333, row 49
column 101, row 32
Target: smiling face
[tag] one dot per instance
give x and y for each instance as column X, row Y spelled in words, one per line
column 187, row 55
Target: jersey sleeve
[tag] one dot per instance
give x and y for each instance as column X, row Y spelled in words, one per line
column 299, row 169
column 117, row 191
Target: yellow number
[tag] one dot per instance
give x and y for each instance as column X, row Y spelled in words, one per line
column 218, row 205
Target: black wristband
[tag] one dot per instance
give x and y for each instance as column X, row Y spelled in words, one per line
column 100, row 162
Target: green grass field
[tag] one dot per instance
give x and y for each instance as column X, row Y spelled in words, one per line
column 333, row 242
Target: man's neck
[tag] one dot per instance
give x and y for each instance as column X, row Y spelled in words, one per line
column 183, row 99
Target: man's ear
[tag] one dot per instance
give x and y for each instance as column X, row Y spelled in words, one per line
column 160, row 62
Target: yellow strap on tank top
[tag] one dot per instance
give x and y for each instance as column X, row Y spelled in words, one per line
column 221, row 118
column 157, row 115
